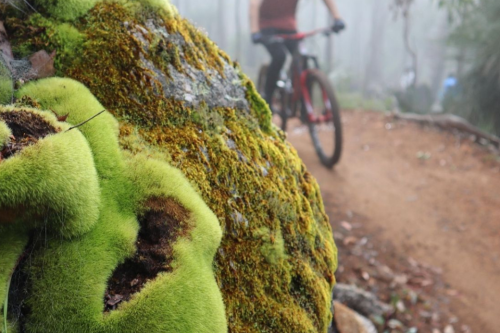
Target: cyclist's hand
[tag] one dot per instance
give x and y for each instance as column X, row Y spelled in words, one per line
column 338, row 25
column 258, row 38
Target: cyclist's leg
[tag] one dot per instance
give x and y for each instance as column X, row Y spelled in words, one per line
column 278, row 58
column 291, row 45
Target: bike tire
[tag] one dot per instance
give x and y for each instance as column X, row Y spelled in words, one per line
column 279, row 95
column 331, row 157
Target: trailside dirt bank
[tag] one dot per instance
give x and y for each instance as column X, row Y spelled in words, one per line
column 418, row 195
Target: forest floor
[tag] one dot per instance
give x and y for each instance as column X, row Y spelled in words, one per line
column 416, row 217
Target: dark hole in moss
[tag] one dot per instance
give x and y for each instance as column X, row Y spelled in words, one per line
column 20, row 285
column 162, row 223
column 27, row 128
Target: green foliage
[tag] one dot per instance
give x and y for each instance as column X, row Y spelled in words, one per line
column 479, row 34
column 415, row 99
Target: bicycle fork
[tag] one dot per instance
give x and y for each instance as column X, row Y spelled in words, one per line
column 306, row 96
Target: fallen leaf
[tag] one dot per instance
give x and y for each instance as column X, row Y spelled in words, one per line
column 400, row 279
column 424, row 155
column 400, row 306
column 60, row 118
column 114, row 300
column 338, row 236
column 42, row 64
column 466, row 329
column 412, row 262
column 395, row 324
column 346, row 225
column 449, row 329
column 350, row 240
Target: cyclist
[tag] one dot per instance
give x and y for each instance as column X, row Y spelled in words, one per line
column 271, row 17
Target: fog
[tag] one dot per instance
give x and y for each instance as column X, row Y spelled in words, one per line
column 368, row 57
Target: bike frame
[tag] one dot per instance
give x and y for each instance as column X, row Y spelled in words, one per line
column 298, row 70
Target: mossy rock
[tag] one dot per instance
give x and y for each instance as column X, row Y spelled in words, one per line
column 186, row 144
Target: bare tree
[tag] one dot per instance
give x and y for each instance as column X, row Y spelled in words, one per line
column 237, row 16
column 403, row 8
column 221, row 23
column 378, row 33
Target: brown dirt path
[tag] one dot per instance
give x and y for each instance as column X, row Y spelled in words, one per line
column 432, row 195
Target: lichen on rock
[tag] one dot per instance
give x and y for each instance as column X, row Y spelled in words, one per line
column 190, row 126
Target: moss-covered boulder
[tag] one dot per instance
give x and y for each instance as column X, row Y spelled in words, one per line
column 179, row 209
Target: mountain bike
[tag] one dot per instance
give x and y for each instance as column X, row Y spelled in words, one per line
column 305, row 91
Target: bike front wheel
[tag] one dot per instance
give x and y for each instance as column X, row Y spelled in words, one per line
column 322, row 113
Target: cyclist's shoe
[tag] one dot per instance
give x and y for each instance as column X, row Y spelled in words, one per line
column 338, row 26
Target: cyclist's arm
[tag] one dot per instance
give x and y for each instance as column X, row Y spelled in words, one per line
column 332, row 7
column 255, row 15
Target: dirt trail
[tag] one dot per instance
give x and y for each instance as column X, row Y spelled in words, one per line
column 433, row 196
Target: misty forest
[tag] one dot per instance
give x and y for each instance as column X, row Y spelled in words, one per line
column 160, row 173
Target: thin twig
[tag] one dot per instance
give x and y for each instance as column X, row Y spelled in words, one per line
column 86, row 121
column 16, row 7
column 29, row 5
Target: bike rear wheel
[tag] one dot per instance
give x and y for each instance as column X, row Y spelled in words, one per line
column 322, row 114
column 278, row 101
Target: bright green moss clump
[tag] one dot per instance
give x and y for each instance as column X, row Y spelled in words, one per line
column 178, row 99
column 68, row 196
column 70, row 10
column 68, row 275
column 5, row 133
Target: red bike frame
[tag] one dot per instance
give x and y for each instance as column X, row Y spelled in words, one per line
column 299, row 79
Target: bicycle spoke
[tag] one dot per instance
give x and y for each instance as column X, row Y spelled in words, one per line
column 323, row 118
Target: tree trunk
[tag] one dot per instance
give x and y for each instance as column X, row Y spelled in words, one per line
column 221, row 31
column 409, row 49
column 372, row 73
column 239, row 29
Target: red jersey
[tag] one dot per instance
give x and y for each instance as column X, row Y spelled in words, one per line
column 278, row 14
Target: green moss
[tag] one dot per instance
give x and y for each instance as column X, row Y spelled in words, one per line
column 6, row 84
column 273, row 248
column 258, row 105
column 70, row 10
column 62, row 37
column 275, row 265
column 5, row 133
column 184, row 300
column 66, row 163
column 66, row 10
